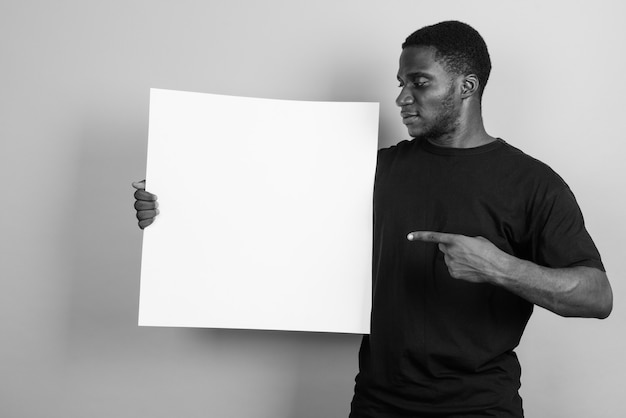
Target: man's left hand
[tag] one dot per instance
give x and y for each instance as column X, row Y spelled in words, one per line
column 474, row 259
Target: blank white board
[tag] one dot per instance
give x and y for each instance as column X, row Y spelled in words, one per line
column 266, row 213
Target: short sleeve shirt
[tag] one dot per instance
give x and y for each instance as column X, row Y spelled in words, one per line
column 439, row 345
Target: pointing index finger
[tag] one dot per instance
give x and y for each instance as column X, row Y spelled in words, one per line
column 431, row 236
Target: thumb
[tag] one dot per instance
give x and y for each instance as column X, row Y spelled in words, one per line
column 139, row 185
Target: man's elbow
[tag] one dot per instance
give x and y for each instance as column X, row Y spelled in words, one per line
column 604, row 307
column 595, row 296
column 600, row 309
column 603, row 303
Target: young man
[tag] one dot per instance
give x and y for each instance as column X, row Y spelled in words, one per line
column 469, row 234
column 495, row 232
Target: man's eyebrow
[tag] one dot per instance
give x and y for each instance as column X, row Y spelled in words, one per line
column 416, row 74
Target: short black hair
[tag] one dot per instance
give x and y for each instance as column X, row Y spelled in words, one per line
column 458, row 47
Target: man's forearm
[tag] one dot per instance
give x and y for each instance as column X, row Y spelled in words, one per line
column 574, row 291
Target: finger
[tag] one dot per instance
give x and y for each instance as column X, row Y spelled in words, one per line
column 451, row 268
column 147, row 214
column 146, row 205
column 143, row 195
column 431, row 236
column 140, row 185
column 145, row 223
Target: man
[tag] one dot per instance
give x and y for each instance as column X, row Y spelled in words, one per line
column 469, row 234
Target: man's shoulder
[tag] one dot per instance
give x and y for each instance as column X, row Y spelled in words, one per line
column 518, row 156
column 388, row 154
column 398, row 147
column 514, row 159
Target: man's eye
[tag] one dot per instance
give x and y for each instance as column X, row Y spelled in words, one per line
column 416, row 83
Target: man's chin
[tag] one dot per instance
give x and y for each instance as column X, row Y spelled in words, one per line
column 419, row 130
column 433, row 135
column 416, row 133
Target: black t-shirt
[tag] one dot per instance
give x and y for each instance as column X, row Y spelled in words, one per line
column 440, row 346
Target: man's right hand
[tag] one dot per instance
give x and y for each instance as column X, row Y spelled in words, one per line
column 146, row 204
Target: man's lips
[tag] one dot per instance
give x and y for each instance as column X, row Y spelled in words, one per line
column 409, row 117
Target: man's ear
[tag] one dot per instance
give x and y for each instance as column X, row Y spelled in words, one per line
column 469, row 86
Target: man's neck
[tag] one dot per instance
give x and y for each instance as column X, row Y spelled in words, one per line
column 466, row 135
column 462, row 141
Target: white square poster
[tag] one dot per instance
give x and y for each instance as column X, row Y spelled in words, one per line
column 266, row 213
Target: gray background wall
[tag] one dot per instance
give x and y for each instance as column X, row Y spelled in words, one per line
column 75, row 78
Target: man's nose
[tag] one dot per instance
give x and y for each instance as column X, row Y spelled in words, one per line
column 405, row 97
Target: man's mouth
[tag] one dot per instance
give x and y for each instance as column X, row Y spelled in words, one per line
column 409, row 117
